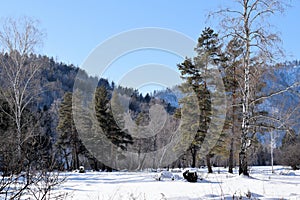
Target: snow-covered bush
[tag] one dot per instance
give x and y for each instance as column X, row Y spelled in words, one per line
column 164, row 175
column 81, row 169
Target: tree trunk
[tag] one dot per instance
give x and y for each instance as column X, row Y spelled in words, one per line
column 154, row 164
column 234, row 131
column 75, row 159
column 230, row 161
column 209, row 168
column 243, row 168
column 243, row 165
column 66, row 159
column 194, row 156
column 96, row 164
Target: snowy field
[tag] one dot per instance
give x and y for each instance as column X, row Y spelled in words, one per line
column 283, row 184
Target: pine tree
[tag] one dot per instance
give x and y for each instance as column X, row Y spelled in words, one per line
column 68, row 140
column 231, row 67
column 195, row 72
column 107, row 121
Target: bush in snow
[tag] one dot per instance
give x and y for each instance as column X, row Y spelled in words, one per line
column 81, row 169
column 190, row 176
column 165, row 175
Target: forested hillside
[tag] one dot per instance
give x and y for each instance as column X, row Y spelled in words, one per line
column 56, row 86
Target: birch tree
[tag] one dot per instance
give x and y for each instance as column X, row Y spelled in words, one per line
column 19, row 38
column 248, row 22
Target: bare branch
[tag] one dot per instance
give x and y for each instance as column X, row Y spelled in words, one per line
column 275, row 93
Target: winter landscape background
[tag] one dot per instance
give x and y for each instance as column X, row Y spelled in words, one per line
column 220, row 99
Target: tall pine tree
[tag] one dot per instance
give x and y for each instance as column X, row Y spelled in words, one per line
column 68, row 140
column 195, row 72
column 107, row 121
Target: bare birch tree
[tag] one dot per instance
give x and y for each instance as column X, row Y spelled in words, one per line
column 248, row 22
column 18, row 39
column 19, row 70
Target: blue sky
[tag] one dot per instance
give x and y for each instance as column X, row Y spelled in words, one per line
column 75, row 28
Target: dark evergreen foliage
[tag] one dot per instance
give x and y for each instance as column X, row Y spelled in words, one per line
column 106, row 119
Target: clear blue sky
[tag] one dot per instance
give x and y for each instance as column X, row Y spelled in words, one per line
column 75, row 28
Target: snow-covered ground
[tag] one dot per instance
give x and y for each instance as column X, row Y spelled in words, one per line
column 262, row 184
